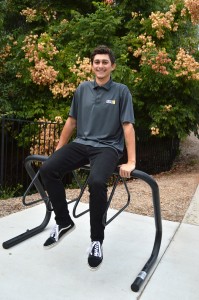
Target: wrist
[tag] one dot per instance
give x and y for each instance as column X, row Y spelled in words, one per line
column 131, row 161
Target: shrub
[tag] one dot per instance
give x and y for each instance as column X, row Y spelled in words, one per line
column 43, row 61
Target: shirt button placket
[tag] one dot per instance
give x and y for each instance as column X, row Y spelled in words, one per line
column 98, row 97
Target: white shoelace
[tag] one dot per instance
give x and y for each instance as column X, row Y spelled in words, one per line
column 95, row 248
column 54, row 232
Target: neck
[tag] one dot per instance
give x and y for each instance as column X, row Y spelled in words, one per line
column 102, row 81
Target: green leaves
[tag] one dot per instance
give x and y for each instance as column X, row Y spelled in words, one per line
column 147, row 48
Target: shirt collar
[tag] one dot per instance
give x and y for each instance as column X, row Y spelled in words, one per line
column 106, row 86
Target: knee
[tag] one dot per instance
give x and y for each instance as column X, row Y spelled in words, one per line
column 96, row 183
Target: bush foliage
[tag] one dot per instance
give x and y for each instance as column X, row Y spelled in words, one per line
column 45, row 49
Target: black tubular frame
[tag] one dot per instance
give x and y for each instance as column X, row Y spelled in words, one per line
column 135, row 174
column 83, row 187
column 31, row 232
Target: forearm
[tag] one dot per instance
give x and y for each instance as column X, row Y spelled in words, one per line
column 67, row 132
column 129, row 135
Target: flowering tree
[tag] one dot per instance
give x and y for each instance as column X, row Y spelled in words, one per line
column 156, row 45
column 166, row 70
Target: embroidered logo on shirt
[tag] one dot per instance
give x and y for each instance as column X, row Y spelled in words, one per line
column 110, row 101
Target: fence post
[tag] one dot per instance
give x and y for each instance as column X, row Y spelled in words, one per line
column 2, row 151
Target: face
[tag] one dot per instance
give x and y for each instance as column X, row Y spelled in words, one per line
column 102, row 68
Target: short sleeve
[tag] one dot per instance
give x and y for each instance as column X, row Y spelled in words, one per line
column 74, row 107
column 126, row 106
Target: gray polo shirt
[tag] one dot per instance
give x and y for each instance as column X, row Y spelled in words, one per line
column 100, row 112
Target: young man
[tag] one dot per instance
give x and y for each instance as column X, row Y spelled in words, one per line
column 102, row 113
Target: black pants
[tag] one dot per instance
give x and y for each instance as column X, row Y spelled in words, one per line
column 103, row 162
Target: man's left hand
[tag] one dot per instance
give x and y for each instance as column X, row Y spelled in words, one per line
column 126, row 169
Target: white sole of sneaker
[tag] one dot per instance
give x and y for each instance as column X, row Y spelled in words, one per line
column 63, row 236
column 94, row 269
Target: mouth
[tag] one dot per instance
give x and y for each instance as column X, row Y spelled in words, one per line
column 100, row 72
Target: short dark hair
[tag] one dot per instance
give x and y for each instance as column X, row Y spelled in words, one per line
column 102, row 49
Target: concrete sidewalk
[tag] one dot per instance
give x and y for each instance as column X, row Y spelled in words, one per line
column 28, row 272
column 177, row 274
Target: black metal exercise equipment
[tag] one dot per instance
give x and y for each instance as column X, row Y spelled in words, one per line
column 135, row 174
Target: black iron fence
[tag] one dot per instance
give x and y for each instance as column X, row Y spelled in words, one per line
column 20, row 138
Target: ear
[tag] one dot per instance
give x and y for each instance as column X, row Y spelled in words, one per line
column 92, row 68
column 113, row 67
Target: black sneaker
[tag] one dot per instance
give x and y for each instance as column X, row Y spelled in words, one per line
column 95, row 255
column 57, row 233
